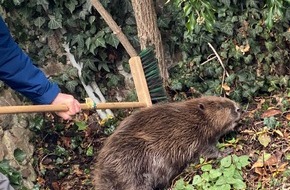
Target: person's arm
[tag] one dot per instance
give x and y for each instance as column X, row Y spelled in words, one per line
column 18, row 71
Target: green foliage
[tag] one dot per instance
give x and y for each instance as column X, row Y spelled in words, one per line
column 201, row 12
column 274, row 11
column 41, row 27
column 60, row 151
column 90, row 151
column 36, row 124
column 19, row 155
column 197, row 13
column 271, row 122
column 227, row 176
column 81, row 125
column 13, row 175
column 110, row 125
column 255, row 57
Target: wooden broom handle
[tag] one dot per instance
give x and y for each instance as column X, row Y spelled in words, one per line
column 115, row 28
column 58, row 108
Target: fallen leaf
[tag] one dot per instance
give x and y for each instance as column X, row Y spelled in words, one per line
column 261, row 102
column 282, row 167
column 239, row 147
column 279, row 133
column 55, row 185
column 260, row 171
column 287, row 156
column 271, row 112
column 77, row 171
column 288, row 116
column 40, row 180
column 286, row 134
column 261, row 160
column 66, row 141
column 275, row 165
column 264, row 139
column 226, row 87
column 243, row 48
column 275, row 159
column 249, row 132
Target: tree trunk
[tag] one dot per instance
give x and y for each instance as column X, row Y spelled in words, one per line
column 148, row 32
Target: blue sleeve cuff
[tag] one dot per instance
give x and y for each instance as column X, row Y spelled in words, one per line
column 48, row 96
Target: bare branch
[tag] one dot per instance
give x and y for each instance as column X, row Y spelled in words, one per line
column 219, row 58
column 225, row 73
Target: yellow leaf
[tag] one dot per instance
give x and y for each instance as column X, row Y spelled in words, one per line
column 264, row 139
column 90, row 103
column 226, row 87
column 243, row 48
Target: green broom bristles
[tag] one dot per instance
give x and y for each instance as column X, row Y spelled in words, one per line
column 152, row 75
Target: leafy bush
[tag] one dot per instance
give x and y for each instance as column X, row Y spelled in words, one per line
column 199, row 12
column 255, row 57
column 227, row 176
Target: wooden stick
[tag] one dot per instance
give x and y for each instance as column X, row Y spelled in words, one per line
column 140, row 81
column 58, row 108
column 114, row 27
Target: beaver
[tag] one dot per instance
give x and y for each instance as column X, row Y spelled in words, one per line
column 152, row 146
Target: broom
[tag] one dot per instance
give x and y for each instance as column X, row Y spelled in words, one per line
column 147, row 56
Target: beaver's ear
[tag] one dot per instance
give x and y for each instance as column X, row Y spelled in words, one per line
column 201, row 106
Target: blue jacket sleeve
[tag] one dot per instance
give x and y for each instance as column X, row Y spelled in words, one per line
column 18, row 71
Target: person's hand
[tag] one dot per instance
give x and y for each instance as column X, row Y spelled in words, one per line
column 68, row 100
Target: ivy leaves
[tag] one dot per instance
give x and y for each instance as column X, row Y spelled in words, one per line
column 39, row 21
column 91, row 41
column 14, row 175
column 71, row 5
column 100, row 39
column 254, row 58
column 227, row 176
column 54, row 23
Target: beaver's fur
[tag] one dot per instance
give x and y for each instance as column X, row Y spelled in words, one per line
column 153, row 145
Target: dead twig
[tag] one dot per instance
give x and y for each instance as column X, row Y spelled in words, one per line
column 208, row 60
column 219, row 58
column 225, row 73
